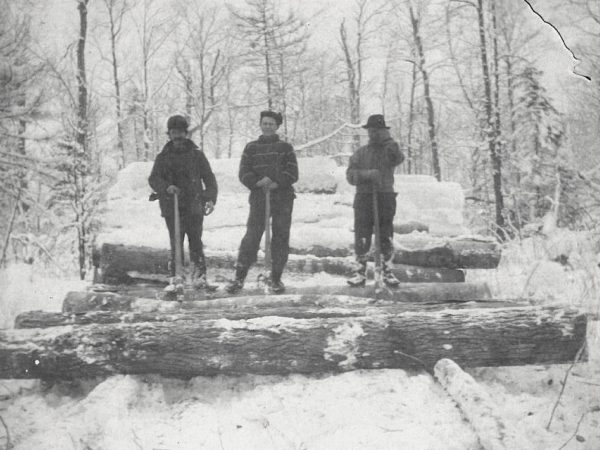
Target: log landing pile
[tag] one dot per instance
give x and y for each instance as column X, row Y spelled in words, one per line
column 417, row 259
column 125, row 328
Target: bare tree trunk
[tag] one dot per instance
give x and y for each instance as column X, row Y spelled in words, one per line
column 81, row 137
column 10, row 228
column 411, row 119
column 82, row 125
column 353, row 86
column 490, row 123
column 113, row 47
column 267, row 59
column 420, row 57
column 145, row 61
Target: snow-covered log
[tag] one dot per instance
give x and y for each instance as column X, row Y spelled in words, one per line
column 409, row 227
column 77, row 302
column 121, row 264
column 477, row 407
column 283, row 345
column 451, row 253
column 289, row 305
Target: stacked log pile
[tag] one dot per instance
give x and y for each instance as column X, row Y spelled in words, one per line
column 416, row 260
column 127, row 328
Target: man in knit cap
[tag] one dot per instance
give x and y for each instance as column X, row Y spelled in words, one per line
column 371, row 168
column 182, row 168
column 267, row 164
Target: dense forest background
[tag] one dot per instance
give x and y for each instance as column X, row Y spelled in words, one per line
column 479, row 92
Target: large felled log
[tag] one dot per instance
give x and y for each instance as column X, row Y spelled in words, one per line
column 122, row 264
column 409, row 227
column 415, row 274
column 409, row 292
column 477, row 407
column 294, row 306
column 283, row 345
column 117, row 260
column 451, row 253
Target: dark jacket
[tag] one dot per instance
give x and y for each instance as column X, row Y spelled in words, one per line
column 384, row 156
column 269, row 157
column 187, row 168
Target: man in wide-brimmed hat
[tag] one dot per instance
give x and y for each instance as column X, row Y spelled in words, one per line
column 267, row 164
column 372, row 168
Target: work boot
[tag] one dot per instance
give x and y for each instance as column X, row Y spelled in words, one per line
column 175, row 286
column 234, row 286
column 389, row 278
column 277, row 287
column 238, row 284
column 359, row 278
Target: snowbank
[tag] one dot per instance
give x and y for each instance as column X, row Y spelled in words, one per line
column 23, row 289
column 324, row 220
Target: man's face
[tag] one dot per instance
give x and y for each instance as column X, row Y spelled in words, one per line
column 378, row 134
column 268, row 126
column 177, row 134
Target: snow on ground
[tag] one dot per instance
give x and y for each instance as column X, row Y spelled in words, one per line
column 377, row 409
column 319, row 219
column 364, row 409
column 356, row 410
column 22, row 288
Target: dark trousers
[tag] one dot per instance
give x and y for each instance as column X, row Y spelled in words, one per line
column 364, row 221
column 191, row 225
column 282, row 203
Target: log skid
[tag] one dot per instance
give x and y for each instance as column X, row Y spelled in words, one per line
column 435, row 260
column 284, row 345
column 450, row 254
column 477, row 407
column 293, row 306
column 408, row 292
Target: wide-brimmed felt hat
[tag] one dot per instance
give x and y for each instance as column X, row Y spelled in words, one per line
column 376, row 121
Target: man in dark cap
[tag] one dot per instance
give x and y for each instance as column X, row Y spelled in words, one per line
column 267, row 164
column 183, row 169
column 371, row 168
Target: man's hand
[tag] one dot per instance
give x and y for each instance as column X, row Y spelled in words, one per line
column 374, row 176
column 272, row 186
column 264, row 183
column 173, row 190
column 209, row 207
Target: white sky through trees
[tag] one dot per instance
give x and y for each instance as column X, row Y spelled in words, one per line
column 56, row 23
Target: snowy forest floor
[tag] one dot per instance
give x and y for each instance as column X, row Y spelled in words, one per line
column 377, row 409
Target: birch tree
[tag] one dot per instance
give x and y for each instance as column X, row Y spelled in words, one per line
column 116, row 10
column 271, row 41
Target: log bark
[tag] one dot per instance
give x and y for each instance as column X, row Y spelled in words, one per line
column 294, row 306
column 410, row 292
column 409, row 227
column 282, row 345
column 450, row 254
column 477, row 407
column 122, row 264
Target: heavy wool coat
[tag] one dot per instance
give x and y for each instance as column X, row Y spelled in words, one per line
column 187, row 168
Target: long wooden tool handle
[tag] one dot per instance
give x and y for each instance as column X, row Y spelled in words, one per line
column 377, row 232
column 267, row 229
column 178, row 246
